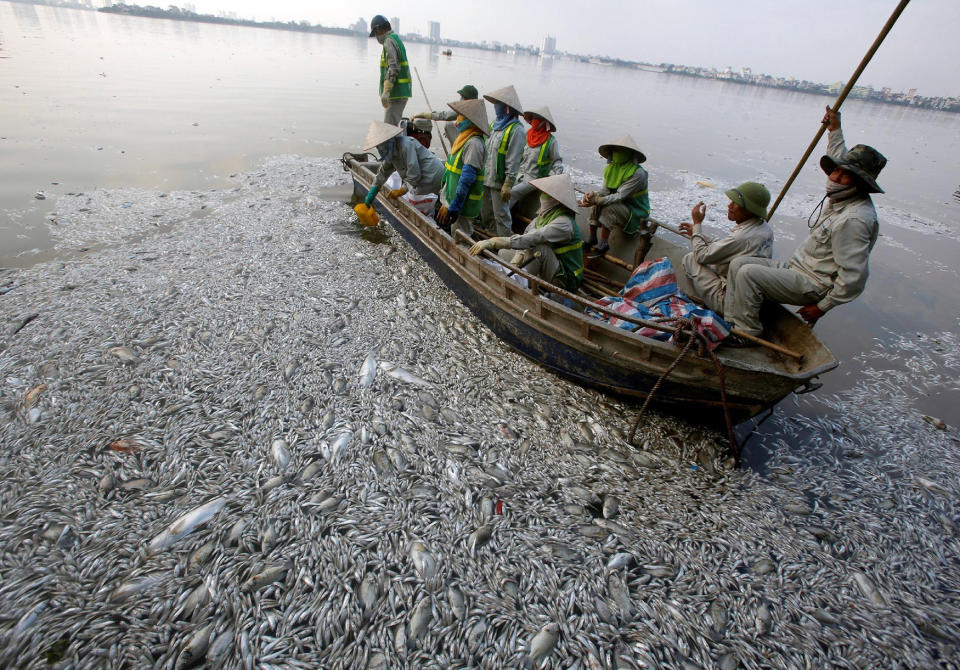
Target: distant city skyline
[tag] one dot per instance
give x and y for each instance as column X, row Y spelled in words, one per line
column 816, row 40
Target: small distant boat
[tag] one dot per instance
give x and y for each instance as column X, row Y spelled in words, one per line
column 447, row 52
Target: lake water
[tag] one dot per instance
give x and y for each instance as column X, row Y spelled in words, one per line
column 100, row 101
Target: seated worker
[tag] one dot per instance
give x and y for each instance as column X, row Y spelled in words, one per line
column 502, row 164
column 463, row 177
column 831, row 267
column 418, row 167
column 623, row 201
column 706, row 266
column 541, row 155
column 468, row 92
column 551, row 247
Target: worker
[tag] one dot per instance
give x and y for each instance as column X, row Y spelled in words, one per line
column 551, row 247
column 468, row 92
column 706, row 265
column 541, row 155
column 395, row 83
column 463, row 178
column 419, row 129
column 502, row 164
column 831, row 267
column 623, row 201
column 420, row 170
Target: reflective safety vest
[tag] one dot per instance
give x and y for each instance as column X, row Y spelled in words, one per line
column 639, row 206
column 543, row 163
column 502, row 149
column 402, row 88
column 569, row 253
column 451, row 179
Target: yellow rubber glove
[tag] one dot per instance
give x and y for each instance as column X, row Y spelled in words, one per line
column 492, row 243
column 397, row 192
column 421, row 115
column 505, row 190
column 385, row 95
column 519, row 258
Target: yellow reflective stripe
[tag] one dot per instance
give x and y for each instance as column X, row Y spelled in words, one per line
column 478, row 196
column 578, row 272
column 640, row 194
column 506, row 138
column 569, row 247
column 404, row 63
column 543, row 150
column 403, row 81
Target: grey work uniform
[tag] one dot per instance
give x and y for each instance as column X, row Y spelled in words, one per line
column 706, row 266
column 610, row 210
column 450, row 127
column 535, row 239
column 829, row 269
column 420, row 170
column 530, row 169
column 495, row 213
column 473, row 153
column 394, row 110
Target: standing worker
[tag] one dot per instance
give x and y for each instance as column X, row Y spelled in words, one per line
column 623, row 201
column 706, row 266
column 462, row 187
column 541, row 155
column 551, row 247
column 468, row 92
column 831, row 267
column 395, row 85
column 502, row 165
column 419, row 169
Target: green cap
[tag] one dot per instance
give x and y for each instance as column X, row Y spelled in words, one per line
column 752, row 196
column 469, row 92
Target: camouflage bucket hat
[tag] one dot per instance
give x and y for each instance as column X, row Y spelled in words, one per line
column 863, row 161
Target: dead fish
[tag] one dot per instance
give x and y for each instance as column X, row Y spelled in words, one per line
column 219, row 648
column 236, row 532
column 458, row 603
column 719, row 615
column 201, row 554
column 593, row 531
column 185, row 525
column 339, row 446
column 273, row 482
column 662, row 571
column 134, row 586
column 763, row 566
column 107, row 483
column 621, row 560
column 369, row 593
column 935, row 422
column 368, row 371
column 610, row 506
column 199, row 597
column 419, row 620
column 290, row 370
column 764, row 620
column 423, row 561
column 930, row 485
column 33, row 395
column 479, row 537
column 124, row 354
column 542, row 644
column 280, row 453
column 195, row 648
column 869, row 590
column 137, row 484
column 265, row 577
column 798, row 508
column 310, row 471
column 395, row 371
column 821, row 534
column 270, row 535
column 328, row 419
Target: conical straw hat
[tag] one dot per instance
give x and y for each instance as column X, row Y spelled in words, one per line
column 543, row 113
column 379, row 133
column 475, row 111
column 507, row 95
column 559, row 187
column 625, row 142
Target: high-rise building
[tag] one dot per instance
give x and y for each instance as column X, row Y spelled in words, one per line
column 360, row 26
column 433, row 30
column 549, row 45
column 395, row 25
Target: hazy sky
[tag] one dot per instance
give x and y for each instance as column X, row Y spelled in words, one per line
column 808, row 39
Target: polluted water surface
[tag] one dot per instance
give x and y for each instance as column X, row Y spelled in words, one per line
column 252, row 439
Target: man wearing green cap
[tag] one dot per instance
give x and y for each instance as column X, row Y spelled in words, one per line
column 468, row 92
column 831, row 267
column 706, row 266
column 395, row 84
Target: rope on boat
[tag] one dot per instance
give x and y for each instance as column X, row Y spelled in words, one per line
column 687, row 328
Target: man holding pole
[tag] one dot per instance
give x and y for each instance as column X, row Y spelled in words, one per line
column 395, row 84
column 831, row 267
column 468, row 92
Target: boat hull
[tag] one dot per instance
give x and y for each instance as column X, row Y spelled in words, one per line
column 541, row 330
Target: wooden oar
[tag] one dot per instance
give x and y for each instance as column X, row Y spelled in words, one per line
column 843, row 96
column 767, row 343
column 435, row 123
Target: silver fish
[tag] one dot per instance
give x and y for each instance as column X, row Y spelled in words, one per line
column 185, row 525
column 542, row 644
column 395, row 371
column 368, row 371
column 280, row 453
column 195, row 648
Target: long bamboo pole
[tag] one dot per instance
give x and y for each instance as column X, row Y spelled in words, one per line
column 435, row 124
column 843, row 96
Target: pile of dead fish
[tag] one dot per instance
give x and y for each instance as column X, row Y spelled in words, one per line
column 257, row 439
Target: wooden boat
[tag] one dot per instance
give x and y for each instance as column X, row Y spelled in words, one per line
column 593, row 353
